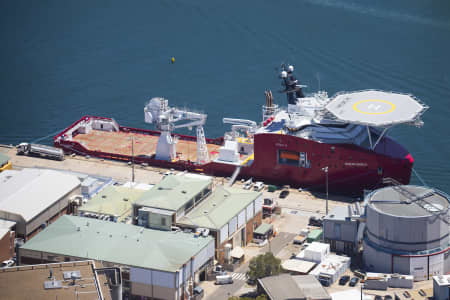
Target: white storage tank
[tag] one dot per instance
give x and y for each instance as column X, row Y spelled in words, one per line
column 407, row 231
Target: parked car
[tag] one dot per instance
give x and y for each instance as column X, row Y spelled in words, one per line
column 224, row 279
column 7, row 263
column 251, row 281
column 353, row 281
column 314, row 221
column 248, row 184
column 284, row 194
column 378, row 297
column 259, row 185
column 406, row 294
column 344, row 279
column 387, row 297
column 198, row 293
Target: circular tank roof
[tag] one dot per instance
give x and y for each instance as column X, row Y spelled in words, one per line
column 376, row 108
column 409, row 201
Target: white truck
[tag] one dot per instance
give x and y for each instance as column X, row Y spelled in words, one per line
column 40, row 150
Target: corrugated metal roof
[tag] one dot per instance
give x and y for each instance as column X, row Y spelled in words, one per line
column 219, row 208
column 174, row 191
column 263, row 228
column 30, row 191
column 311, row 287
column 3, row 159
column 315, row 234
column 281, row 287
column 119, row 243
column 113, row 200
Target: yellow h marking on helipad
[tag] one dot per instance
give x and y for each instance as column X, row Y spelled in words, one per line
column 374, row 106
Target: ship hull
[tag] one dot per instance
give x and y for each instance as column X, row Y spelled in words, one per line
column 351, row 169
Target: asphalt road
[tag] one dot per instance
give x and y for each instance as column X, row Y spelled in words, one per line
column 275, row 246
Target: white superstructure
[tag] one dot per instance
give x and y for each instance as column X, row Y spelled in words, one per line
column 157, row 111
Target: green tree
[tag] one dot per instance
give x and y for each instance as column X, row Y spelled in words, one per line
column 264, row 265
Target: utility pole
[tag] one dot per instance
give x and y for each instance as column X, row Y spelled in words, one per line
column 325, row 169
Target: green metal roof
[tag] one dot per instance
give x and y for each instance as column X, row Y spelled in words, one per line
column 219, row 208
column 314, row 234
column 113, row 200
column 3, row 159
column 263, row 228
column 174, row 191
column 119, row 243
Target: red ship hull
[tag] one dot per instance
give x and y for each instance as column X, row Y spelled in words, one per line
column 351, row 169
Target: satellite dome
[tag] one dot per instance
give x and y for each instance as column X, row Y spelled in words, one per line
column 291, row 68
column 283, row 74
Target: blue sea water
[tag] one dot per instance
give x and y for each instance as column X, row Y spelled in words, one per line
column 60, row 60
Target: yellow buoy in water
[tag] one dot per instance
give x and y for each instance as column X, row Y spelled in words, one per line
column 173, row 60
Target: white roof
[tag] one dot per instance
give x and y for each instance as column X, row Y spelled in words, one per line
column 353, row 294
column 237, row 252
column 138, row 185
column 376, row 108
column 318, row 247
column 30, row 191
column 442, row 280
column 5, row 226
column 298, row 265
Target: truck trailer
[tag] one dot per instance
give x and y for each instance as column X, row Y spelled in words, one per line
column 40, row 151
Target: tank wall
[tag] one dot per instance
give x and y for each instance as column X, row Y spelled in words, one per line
column 406, row 234
column 376, row 261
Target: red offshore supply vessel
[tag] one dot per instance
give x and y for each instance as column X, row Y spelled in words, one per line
column 315, row 139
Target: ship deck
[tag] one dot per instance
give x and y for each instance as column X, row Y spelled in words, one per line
column 120, row 143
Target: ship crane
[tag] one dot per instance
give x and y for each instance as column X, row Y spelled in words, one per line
column 158, row 112
column 240, row 124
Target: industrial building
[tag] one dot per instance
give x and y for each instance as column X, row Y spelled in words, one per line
column 340, row 228
column 33, row 198
column 229, row 214
column 5, row 163
column 441, row 287
column 155, row 264
column 380, row 281
column 331, row 268
column 68, row 280
column 171, row 199
column 407, row 231
column 113, row 203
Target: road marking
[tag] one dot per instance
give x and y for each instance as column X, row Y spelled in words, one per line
column 239, row 276
column 373, row 108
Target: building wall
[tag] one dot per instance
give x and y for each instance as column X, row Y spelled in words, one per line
column 341, row 235
column 340, row 230
column 7, row 250
column 249, row 227
column 49, row 215
column 421, row 267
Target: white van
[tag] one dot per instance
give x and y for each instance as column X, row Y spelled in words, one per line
column 224, row 279
column 258, row 186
